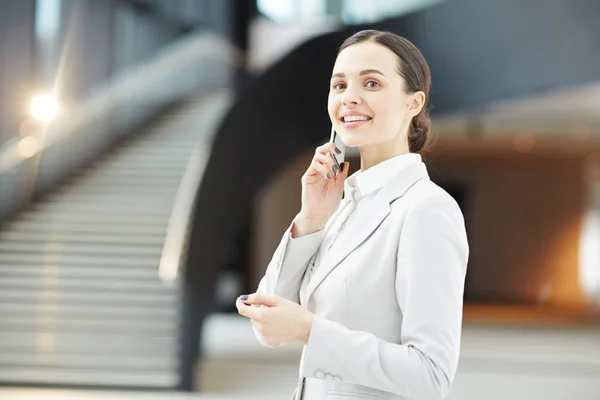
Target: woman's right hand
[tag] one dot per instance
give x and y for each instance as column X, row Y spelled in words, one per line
column 322, row 188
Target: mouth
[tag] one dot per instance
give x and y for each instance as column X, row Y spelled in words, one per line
column 354, row 120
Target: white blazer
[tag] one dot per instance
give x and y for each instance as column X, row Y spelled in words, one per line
column 387, row 300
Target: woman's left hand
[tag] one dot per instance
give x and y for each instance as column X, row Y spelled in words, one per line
column 276, row 320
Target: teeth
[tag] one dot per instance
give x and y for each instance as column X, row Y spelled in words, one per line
column 351, row 118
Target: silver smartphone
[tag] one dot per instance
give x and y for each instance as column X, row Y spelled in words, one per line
column 338, row 159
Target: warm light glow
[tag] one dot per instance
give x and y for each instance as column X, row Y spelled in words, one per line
column 44, row 107
column 27, row 147
column 28, row 127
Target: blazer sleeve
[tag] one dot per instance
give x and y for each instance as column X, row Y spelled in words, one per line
column 285, row 271
column 431, row 266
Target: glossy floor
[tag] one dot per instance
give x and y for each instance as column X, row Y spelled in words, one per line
column 497, row 363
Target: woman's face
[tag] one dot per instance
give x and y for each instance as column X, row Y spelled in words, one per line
column 367, row 102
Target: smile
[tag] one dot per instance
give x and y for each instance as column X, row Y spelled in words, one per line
column 354, row 120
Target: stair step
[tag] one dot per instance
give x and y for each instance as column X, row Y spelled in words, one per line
column 119, row 190
column 135, row 170
column 133, row 165
column 100, row 260
column 57, row 248
column 79, row 271
column 115, row 185
column 143, row 229
column 35, row 295
column 87, row 311
column 141, row 209
column 133, row 199
column 169, row 149
column 89, row 361
column 86, row 180
column 76, row 376
column 87, row 343
column 92, row 218
column 68, row 238
column 58, row 323
column 64, row 283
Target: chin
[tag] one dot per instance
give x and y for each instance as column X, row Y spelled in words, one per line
column 354, row 139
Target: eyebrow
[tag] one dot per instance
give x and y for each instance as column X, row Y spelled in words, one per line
column 361, row 73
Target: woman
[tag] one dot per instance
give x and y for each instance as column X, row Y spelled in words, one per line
column 371, row 284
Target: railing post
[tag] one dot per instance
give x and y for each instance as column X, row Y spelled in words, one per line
column 193, row 313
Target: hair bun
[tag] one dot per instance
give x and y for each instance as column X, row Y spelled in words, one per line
column 419, row 132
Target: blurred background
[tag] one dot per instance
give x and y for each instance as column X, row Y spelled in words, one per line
column 150, row 160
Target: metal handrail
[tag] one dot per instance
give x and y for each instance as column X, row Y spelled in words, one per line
column 179, row 223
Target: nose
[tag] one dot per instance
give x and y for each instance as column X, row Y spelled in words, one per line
column 351, row 96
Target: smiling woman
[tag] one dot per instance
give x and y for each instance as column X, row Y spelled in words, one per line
column 373, row 283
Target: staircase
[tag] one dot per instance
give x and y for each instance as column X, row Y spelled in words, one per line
column 81, row 301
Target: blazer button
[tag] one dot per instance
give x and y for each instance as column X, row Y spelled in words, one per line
column 319, row 374
column 329, row 377
column 337, row 379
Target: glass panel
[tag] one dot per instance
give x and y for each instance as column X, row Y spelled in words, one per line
column 278, row 10
column 47, row 36
column 360, row 11
column 348, row 11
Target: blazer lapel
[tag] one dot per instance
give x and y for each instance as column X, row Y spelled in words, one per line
column 370, row 220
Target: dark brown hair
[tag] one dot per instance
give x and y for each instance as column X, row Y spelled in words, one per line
column 415, row 71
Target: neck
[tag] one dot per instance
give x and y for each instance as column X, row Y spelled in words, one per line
column 374, row 154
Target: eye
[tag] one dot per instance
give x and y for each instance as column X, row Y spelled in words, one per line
column 372, row 84
column 338, row 86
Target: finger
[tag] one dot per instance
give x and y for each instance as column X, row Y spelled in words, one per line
column 328, row 161
column 259, row 298
column 316, row 168
column 244, row 310
column 323, row 158
column 326, row 148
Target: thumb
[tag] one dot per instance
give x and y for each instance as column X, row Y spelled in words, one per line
column 259, row 298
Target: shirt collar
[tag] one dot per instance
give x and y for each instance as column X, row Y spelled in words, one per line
column 363, row 183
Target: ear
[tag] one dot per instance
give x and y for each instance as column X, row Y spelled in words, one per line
column 416, row 104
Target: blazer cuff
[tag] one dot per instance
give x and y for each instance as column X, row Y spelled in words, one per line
column 318, row 353
column 302, row 248
column 291, row 263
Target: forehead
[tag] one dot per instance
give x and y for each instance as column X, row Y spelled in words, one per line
column 366, row 55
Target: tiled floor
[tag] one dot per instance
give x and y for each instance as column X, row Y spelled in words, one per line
column 497, row 363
